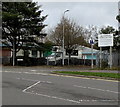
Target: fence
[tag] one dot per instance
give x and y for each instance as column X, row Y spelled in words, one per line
column 116, row 59
column 106, row 59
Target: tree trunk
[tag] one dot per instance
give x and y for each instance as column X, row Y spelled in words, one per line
column 55, row 58
column 69, row 55
column 14, row 53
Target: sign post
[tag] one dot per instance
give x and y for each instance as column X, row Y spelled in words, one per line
column 100, row 57
column 105, row 40
column 110, row 57
column 92, row 42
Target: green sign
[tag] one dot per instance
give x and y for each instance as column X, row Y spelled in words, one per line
column 47, row 53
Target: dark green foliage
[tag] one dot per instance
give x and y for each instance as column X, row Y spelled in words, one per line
column 107, row 30
column 118, row 18
column 21, row 23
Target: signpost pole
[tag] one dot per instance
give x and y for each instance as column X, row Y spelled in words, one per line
column 100, row 57
column 47, row 61
column 92, row 56
column 110, row 57
column 91, row 42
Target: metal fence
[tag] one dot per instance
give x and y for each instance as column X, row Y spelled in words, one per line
column 106, row 59
column 116, row 59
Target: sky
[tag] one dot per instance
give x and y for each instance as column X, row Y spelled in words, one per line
column 83, row 13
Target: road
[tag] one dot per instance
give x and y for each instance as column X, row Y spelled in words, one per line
column 30, row 88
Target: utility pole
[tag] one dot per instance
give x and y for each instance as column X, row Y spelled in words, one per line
column 63, row 37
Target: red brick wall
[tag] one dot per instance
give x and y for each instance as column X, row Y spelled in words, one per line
column 5, row 52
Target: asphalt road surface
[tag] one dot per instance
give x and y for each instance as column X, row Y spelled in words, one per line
column 25, row 88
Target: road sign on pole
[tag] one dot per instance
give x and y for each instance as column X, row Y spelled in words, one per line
column 105, row 40
column 91, row 42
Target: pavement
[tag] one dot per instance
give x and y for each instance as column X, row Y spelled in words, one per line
column 37, row 86
column 49, row 69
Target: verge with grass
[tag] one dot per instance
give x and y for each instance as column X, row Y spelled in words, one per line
column 97, row 74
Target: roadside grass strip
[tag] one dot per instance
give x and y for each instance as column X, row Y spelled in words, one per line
column 97, row 74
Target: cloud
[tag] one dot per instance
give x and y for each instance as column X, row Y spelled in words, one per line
column 83, row 13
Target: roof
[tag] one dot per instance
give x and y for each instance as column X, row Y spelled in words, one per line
column 88, row 50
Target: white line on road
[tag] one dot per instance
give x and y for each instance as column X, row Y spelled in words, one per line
column 33, row 80
column 31, row 86
column 25, row 91
column 26, row 72
column 99, row 100
column 33, row 70
column 96, row 89
column 54, row 97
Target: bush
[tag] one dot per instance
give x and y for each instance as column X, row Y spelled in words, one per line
column 74, row 61
column 29, row 61
column 104, row 64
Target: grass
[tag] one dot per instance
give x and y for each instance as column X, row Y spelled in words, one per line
column 107, row 68
column 98, row 74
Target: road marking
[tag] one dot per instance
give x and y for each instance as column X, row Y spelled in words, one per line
column 62, row 76
column 33, row 80
column 31, row 86
column 99, row 100
column 33, row 70
column 84, row 78
column 96, row 89
column 25, row 91
column 54, row 97
column 26, row 72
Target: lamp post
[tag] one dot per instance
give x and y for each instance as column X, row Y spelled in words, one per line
column 92, row 43
column 63, row 36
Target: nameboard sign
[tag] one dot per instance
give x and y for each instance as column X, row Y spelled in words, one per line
column 105, row 40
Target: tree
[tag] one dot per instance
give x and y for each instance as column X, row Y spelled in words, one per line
column 73, row 35
column 107, row 30
column 21, row 22
column 91, row 32
column 118, row 33
column 118, row 18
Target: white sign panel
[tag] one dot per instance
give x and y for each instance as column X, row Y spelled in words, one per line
column 105, row 40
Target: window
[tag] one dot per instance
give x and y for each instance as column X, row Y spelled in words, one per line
column 34, row 53
column 73, row 53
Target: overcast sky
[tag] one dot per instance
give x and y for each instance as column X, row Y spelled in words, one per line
column 84, row 13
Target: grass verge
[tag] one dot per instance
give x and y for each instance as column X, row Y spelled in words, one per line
column 98, row 74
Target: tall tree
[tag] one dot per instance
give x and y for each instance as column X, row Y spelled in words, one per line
column 73, row 35
column 118, row 33
column 21, row 22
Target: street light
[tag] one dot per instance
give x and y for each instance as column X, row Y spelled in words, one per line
column 92, row 43
column 63, row 35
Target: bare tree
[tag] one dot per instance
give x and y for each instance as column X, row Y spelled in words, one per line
column 73, row 35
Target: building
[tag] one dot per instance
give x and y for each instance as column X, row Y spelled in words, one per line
column 80, row 53
column 5, row 54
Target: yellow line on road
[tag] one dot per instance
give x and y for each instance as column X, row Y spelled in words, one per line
column 84, row 77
